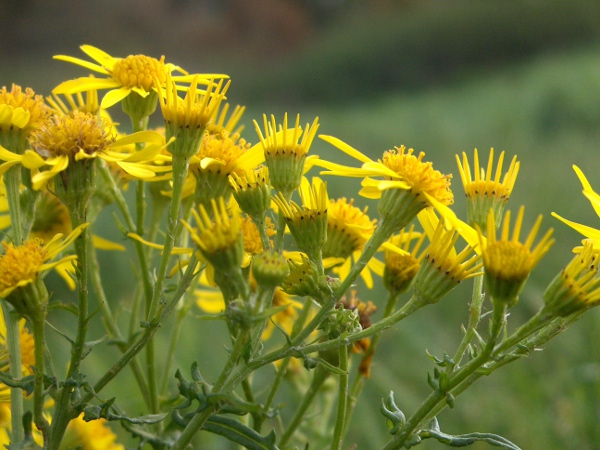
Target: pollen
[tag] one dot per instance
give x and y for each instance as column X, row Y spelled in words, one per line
column 20, row 264
column 139, row 71
column 70, row 135
column 420, row 175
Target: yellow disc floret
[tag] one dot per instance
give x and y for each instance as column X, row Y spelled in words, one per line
column 78, row 134
column 20, row 264
column 139, row 71
column 421, row 176
column 20, row 109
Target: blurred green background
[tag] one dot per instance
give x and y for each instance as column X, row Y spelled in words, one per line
column 443, row 77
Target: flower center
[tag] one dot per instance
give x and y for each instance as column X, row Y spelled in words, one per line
column 138, row 71
column 223, row 148
column 70, row 135
column 21, row 263
column 508, row 260
column 420, row 175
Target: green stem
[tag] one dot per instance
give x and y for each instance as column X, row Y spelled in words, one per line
column 181, row 314
column 281, row 370
column 474, row 317
column 383, row 231
column 199, row 419
column 63, row 412
column 111, row 326
column 152, row 326
column 342, row 408
column 12, row 180
column 456, row 378
column 319, row 377
column 39, row 336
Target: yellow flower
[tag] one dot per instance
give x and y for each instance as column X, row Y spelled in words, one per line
column 407, row 184
column 220, row 155
column 307, row 223
column 67, row 139
column 135, row 73
column 219, row 239
column 285, row 151
column 92, row 435
column 23, row 264
column 348, row 230
column 27, row 355
column 443, row 268
column 590, row 233
column 186, row 119
column 482, row 191
column 509, row 262
column 21, row 110
column 252, row 191
column 577, row 286
column 399, row 168
column 401, row 269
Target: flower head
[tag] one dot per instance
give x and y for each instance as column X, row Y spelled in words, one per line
column 219, row 156
column 21, row 110
column 252, row 191
column 509, row 262
column 21, row 265
column 186, row 119
column 135, row 73
column 401, row 268
column 484, row 192
column 219, row 239
column 443, row 268
column 348, row 230
column 577, row 286
column 406, row 186
column 285, row 151
column 307, row 223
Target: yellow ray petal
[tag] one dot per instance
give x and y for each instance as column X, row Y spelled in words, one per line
column 345, row 148
column 113, row 97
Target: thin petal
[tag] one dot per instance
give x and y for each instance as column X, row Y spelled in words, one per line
column 101, row 57
column 84, row 84
column 105, row 244
column 83, row 63
column 345, row 148
column 589, row 232
column 113, row 97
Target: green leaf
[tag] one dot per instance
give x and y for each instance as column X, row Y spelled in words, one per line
column 463, row 440
column 239, row 433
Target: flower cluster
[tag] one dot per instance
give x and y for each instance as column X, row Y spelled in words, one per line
column 242, row 230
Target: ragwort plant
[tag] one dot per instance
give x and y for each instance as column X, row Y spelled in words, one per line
column 229, row 206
